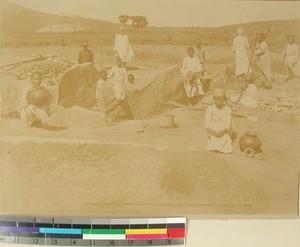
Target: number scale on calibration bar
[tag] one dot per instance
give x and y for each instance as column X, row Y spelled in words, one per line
column 93, row 232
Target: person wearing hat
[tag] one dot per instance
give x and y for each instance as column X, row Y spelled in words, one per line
column 263, row 61
column 290, row 58
column 85, row 55
column 240, row 45
column 191, row 75
column 218, row 124
column 122, row 48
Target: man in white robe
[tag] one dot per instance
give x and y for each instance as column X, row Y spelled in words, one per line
column 240, row 45
column 122, row 48
column 263, row 61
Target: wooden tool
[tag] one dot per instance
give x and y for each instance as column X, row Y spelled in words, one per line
column 250, row 117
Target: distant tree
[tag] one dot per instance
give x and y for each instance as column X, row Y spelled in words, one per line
column 71, row 19
column 139, row 21
column 124, row 19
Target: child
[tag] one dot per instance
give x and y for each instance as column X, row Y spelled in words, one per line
column 249, row 95
column 100, row 102
column 34, row 107
column 131, row 78
column 118, row 73
column 218, row 124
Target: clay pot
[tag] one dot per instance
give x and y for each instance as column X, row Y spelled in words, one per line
column 39, row 97
column 250, row 140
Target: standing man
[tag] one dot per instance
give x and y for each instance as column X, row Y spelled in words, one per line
column 122, row 47
column 85, row 55
column 290, row 58
column 200, row 53
column 240, row 45
column 263, row 61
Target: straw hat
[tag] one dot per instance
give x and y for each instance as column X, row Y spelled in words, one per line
column 168, row 121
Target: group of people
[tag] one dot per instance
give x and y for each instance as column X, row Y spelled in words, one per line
column 218, row 121
column 263, row 61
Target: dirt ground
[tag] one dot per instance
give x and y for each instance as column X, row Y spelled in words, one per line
column 113, row 170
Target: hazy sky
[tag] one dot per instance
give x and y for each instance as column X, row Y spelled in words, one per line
column 172, row 12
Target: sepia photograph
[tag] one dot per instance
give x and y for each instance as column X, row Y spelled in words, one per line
column 133, row 108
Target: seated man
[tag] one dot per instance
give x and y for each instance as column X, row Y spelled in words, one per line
column 219, row 125
column 191, row 76
column 34, row 108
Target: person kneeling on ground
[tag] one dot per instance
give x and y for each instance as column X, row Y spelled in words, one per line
column 248, row 94
column 219, row 125
column 35, row 104
column 191, row 76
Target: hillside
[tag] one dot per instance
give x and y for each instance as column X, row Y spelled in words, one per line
column 19, row 26
column 15, row 18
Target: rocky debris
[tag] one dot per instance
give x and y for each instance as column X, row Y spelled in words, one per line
column 288, row 103
column 51, row 67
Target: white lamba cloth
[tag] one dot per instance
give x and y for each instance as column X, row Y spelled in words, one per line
column 240, row 43
column 123, row 48
column 218, row 120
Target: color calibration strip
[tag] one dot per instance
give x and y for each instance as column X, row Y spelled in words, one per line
column 93, row 232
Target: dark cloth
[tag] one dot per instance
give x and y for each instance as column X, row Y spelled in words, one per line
column 86, row 56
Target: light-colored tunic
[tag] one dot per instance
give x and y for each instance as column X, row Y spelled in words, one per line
column 263, row 62
column 240, row 43
column 99, row 88
column 191, row 65
column 292, row 64
column 218, row 120
column 123, row 48
column 118, row 75
column 250, row 97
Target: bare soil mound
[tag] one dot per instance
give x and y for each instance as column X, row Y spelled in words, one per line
column 107, row 178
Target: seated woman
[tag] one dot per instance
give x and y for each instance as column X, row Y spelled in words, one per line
column 191, row 76
column 34, row 106
column 248, row 94
column 218, row 124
